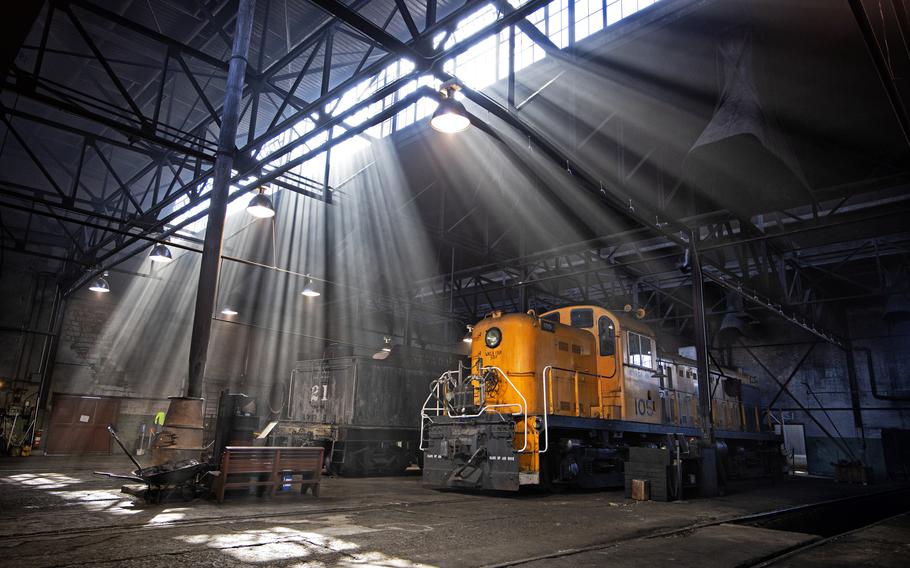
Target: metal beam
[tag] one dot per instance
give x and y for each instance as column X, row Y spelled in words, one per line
column 378, row 35
column 450, row 19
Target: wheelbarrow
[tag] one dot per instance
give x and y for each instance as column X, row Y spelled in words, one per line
column 181, row 476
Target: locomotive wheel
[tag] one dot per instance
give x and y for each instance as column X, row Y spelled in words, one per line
column 327, row 464
column 355, row 465
column 549, row 473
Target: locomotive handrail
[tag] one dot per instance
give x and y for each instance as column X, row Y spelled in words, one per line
column 547, row 373
column 523, row 407
column 546, row 408
column 579, row 372
column 423, row 414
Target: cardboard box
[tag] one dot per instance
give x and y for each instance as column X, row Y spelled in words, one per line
column 641, row 489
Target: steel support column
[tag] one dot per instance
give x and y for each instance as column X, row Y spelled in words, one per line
column 48, row 357
column 708, row 481
column 211, row 249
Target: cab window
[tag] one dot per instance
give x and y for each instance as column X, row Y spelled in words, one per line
column 582, row 318
column 640, row 352
column 551, row 317
column 607, row 336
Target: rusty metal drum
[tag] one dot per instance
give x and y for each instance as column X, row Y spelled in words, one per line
column 181, row 436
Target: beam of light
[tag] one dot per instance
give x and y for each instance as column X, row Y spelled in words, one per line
column 369, row 251
column 59, row 486
column 274, row 544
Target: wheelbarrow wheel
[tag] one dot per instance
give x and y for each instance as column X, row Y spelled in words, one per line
column 153, row 495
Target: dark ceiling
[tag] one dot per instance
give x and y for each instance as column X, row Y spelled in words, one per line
column 97, row 147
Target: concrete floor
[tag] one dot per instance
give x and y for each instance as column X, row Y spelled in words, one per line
column 883, row 545
column 54, row 512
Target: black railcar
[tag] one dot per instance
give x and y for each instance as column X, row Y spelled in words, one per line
column 364, row 412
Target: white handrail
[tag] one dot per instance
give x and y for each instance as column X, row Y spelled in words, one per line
column 546, row 408
column 423, row 414
column 522, row 408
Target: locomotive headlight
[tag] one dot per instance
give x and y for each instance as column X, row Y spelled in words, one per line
column 493, row 337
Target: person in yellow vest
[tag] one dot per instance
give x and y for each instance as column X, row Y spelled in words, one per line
column 157, row 424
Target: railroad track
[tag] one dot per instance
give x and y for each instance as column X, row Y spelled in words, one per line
column 814, row 518
column 120, row 527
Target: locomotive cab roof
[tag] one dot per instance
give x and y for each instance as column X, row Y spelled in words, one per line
column 625, row 322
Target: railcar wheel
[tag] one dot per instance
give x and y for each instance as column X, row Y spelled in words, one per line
column 549, row 474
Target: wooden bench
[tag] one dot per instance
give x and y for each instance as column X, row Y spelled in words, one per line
column 250, row 466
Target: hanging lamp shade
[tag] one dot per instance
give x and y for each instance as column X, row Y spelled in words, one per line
column 161, row 253
column 261, row 206
column 450, row 117
column 100, row 284
column 386, row 349
column 309, row 290
column 733, row 324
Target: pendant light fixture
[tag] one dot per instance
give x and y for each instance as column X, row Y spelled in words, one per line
column 450, row 116
column 309, row 290
column 261, row 206
column 161, row 254
column 386, row 349
column 100, row 284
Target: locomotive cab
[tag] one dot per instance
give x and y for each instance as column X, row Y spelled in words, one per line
column 627, row 351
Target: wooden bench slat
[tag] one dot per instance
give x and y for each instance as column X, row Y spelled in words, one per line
column 305, row 463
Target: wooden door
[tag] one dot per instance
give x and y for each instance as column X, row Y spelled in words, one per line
column 78, row 425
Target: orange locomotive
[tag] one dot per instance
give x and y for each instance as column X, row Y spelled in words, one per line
column 559, row 398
